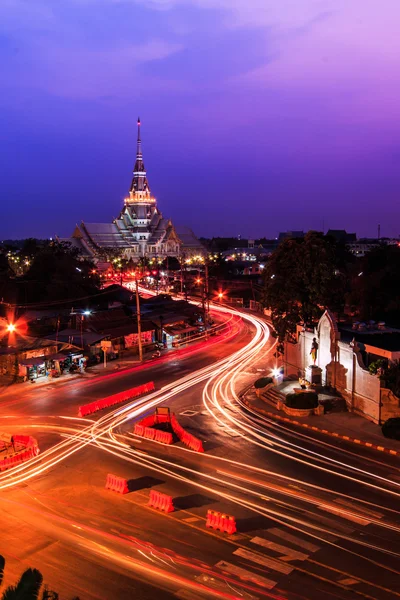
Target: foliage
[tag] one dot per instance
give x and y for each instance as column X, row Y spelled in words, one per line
column 49, row 594
column 391, row 428
column 377, row 366
column 304, row 400
column 27, row 588
column 58, row 273
column 2, row 565
column 391, row 377
column 301, row 278
column 263, row 382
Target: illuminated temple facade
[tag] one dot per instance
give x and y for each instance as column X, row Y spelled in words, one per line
column 140, row 230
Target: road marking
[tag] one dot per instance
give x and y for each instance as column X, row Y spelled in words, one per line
column 348, row 581
column 293, row 539
column 342, row 515
column 289, row 553
column 191, row 519
column 189, row 413
column 271, row 563
column 339, row 527
column 246, row 575
column 367, row 511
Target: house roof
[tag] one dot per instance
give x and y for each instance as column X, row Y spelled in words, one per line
column 385, row 341
column 26, row 343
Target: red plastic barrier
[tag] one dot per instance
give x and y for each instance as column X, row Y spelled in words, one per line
column 149, row 433
column 117, row 484
column 189, row 440
column 224, row 523
column 138, row 429
column 92, row 407
column 19, row 458
column 165, row 437
column 161, row 501
column 148, row 421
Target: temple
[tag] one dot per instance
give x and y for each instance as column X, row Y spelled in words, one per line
column 140, row 230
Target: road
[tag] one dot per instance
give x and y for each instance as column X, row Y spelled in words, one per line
column 313, row 518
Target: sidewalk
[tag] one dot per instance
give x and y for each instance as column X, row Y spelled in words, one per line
column 341, row 425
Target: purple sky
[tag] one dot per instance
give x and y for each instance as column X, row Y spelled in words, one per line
column 257, row 115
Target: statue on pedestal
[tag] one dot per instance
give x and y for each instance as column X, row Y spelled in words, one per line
column 314, row 350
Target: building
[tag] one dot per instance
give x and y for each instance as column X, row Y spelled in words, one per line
column 140, row 230
column 342, row 356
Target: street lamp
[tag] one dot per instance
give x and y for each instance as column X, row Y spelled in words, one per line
column 11, row 327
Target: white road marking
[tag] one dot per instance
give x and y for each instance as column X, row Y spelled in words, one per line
column 271, row 563
column 288, row 552
column 293, row 539
column 246, row 575
column 340, row 512
column 360, row 508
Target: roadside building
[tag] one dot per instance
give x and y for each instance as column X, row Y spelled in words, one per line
column 31, row 358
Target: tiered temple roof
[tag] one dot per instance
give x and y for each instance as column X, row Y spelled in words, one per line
column 140, row 229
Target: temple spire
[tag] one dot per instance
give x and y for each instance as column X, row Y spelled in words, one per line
column 139, row 141
column 139, row 181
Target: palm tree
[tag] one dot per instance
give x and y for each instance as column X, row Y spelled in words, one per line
column 27, row 588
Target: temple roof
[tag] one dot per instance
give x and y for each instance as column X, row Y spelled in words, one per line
column 188, row 238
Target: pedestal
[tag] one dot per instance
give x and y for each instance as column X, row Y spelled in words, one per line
column 314, row 375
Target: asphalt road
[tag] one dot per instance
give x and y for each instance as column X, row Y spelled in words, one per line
column 313, row 519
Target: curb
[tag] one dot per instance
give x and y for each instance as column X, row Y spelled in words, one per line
column 339, row 436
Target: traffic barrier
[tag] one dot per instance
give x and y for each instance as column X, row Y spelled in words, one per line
column 186, row 438
column 138, row 429
column 161, row 501
column 148, row 421
column 217, row 520
column 88, row 409
column 19, row 458
column 164, row 437
column 149, row 433
column 117, row 484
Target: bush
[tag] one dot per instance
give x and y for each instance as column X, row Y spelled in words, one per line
column 305, row 400
column 391, row 428
column 263, row 382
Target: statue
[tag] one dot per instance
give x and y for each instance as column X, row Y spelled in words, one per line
column 314, row 350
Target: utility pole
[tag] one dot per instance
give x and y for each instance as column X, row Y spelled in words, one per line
column 139, row 325
column 180, row 262
column 206, row 288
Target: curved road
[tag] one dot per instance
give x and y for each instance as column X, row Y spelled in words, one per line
column 313, row 519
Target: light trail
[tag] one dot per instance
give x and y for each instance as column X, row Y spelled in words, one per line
column 221, row 400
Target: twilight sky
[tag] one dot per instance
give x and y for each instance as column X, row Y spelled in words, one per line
column 258, row 116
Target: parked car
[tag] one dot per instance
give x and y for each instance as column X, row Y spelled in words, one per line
column 391, row 428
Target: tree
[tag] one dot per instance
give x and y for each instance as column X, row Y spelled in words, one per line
column 27, row 588
column 58, row 273
column 391, row 377
column 301, row 278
